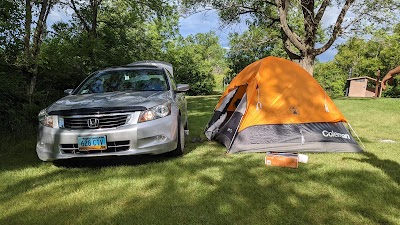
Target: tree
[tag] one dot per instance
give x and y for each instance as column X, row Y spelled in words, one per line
column 11, row 28
column 99, row 20
column 87, row 14
column 359, row 57
column 40, row 62
column 197, row 60
column 300, row 22
column 123, row 35
column 32, row 48
column 332, row 78
column 253, row 44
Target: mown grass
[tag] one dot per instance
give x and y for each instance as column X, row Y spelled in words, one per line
column 207, row 186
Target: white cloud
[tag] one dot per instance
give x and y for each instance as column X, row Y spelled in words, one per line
column 208, row 21
column 330, row 16
column 59, row 15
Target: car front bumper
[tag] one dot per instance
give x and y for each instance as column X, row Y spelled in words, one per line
column 152, row 137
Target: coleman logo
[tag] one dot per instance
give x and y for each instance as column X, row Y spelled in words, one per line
column 335, row 134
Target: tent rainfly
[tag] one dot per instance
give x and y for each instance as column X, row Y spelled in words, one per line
column 275, row 105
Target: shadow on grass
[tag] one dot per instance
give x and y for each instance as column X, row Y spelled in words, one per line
column 206, row 186
column 102, row 162
column 14, row 158
column 245, row 194
column 389, row 167
column 18, row 153
column 216, row 190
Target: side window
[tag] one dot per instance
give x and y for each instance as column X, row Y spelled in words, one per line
column 171, row 80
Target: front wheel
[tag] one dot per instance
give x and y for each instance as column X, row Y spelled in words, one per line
column 181, row 139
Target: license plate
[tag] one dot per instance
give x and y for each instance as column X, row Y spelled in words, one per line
column 92, row 143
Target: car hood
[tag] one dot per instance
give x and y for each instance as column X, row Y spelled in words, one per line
column 107, row 101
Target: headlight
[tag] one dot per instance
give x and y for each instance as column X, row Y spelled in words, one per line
column 45, row 119
column 155, row 112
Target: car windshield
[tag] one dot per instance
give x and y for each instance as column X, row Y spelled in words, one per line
column 125, row 80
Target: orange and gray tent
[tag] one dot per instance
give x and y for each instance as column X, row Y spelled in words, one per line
column 275, row 105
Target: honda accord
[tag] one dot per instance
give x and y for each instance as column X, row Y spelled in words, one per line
column 126, row 110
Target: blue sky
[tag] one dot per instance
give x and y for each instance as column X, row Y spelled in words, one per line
column 202, row 23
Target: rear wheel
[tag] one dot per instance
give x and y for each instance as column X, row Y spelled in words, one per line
column 181, row 139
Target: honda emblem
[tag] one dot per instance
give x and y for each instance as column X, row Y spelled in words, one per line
column 93, row 123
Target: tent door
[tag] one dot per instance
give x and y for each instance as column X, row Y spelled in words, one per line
column 228, row 130
column 225, row 111
column 219, row 115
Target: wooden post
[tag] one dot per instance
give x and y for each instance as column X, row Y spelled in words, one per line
column 377, row 84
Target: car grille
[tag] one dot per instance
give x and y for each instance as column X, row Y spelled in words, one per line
column 113, row 146
column 105, row 121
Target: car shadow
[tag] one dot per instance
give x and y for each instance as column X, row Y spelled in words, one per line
column 113, row 161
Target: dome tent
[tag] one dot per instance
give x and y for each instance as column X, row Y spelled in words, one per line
column 275, row 105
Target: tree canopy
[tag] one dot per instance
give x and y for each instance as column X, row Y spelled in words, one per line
column 358, row 57
column 198, row 59
column 38, row 62
column 303, row 33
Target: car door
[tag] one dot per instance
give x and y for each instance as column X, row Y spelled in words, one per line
column 179, row 98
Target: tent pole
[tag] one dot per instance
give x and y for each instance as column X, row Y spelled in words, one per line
column 356, row 135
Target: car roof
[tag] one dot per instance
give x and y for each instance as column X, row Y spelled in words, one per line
column 153, row 63
column 131, row 67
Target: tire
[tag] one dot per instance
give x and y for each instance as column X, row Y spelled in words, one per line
column 181, row 140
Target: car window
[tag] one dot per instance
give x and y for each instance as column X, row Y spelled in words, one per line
column 173, row 84
column 125, row 80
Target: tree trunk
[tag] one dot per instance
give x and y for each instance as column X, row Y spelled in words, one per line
column 307, row 62
column 89, row 22
column 32, row 84
column 95, row 7
column 32, row 51
column 27, row 59
column 27, row 36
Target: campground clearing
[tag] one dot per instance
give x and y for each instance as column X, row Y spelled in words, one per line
column 207, row 186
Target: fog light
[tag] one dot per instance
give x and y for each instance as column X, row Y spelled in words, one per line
column 161, row 138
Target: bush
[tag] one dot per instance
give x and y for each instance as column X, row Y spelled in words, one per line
column 201, row 84
column 392, row 91
column 331, row 78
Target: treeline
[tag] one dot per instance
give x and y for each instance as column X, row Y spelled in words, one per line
column 38, row 61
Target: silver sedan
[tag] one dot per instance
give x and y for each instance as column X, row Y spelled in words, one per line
column 128, row 110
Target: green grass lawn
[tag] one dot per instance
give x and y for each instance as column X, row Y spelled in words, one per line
column 207, row 186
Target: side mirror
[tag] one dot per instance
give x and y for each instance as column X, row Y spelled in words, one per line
column 182, row 87
column 68, row 91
